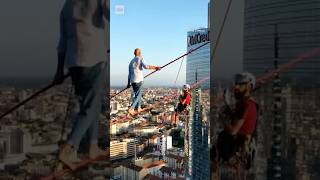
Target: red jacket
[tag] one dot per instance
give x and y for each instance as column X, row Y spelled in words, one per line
column 186, row 97
column 250, row 117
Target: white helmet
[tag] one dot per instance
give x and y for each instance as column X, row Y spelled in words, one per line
column 186, row 86
column 245, row 77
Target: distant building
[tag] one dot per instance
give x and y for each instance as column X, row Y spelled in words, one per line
column 118, row 150
column 145, row 131
column 114, row 107
column 4, row 145
column 154, row 167
column 115, row 171
column 174, row 161
column 133, row 172
column 153, row 140
column 170, row 173
column 141, row 169
column 146, row 159
column 119, row 127
column 122, row 149
column 152, row 177
column 198, row 60
column 164, row 143
column 176, row 151
column 16, row 141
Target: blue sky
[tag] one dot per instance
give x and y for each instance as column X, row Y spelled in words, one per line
column 159, row 28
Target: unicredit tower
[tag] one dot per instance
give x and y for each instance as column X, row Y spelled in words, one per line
column 198, row 60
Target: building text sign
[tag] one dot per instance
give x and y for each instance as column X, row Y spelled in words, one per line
column 198, row 38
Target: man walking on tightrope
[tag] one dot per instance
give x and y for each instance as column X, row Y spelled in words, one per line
column 83, row 50
column 135, row 79
column 237, row 134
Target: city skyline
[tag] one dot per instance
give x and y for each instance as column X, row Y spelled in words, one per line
column 168, row 35
column 151, row 134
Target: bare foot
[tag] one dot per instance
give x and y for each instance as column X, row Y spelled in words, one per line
column 131, row 112
column 139, row 110
column 68, row 156
column 96, row 153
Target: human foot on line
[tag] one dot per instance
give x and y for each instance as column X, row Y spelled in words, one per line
column 68, row 156
column 139, row 110
column 131, row 112
column 96, row 153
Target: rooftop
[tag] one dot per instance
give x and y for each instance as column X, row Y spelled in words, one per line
column 169, row 170
column 154, row 164
column 152, row 177
column 132, row 166
column 176, row 157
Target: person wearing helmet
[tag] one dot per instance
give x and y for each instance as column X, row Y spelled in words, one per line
column 184, row 102
column 243, row 118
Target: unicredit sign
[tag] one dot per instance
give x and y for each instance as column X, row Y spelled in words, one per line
column 198, row 38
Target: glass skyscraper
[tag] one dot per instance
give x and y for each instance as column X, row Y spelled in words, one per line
column 297, row 26
column 198, row 60
column 197, row 165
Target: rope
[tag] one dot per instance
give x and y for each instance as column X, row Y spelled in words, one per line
column 313, row 52
column 220, row 31
column 31, row 97
column 154, row 105
column 192, row 50
column 175, row 82
column 68, row 111
column 67, row 115
column 67, row 75
column 35, row 95
column 264, row 78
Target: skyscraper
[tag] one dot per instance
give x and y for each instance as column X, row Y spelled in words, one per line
column 198, row 60
column 276, row 33
column 298, row 29
column 197, row 164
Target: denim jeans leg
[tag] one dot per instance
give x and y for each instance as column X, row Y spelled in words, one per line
column 137, row 95
column 86, row 81
column 101, row 101
column 93, row 129
column 138, row 106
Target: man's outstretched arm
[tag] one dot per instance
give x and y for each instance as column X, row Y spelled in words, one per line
column 157, row 68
